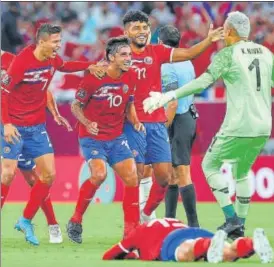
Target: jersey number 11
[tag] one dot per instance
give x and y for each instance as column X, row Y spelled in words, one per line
column 256, row 63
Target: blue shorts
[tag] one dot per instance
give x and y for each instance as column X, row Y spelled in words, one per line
column 112, row 151
column 25, row 164
column 177, row 237
column 34, row 142
column 152, row 147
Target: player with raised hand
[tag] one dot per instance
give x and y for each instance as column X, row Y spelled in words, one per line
column 23, row 106
column 247, row 69
column 171, row 240
column 101, row 107
column 153, row 147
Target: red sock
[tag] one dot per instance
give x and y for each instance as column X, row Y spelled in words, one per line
column 156, row 195
column 47, row 208
column 245, row 247
column 201, row 247
column 37, row 195
column 4, row 193
column 131, row 209
column 87, row 191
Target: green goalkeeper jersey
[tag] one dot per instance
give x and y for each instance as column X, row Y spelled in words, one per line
column 248, row 72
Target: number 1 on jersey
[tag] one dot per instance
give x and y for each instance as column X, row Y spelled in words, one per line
column 256, row 63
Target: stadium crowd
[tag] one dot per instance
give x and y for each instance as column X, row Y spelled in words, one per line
column 87, row 26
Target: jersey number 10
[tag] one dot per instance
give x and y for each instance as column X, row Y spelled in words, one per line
column 256, row 64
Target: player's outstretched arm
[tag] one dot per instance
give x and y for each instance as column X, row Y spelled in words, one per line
column 98, row 70
column 218, row 68
column 183, row 54
column 53, row 109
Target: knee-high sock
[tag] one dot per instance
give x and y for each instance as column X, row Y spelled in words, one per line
column 188, row 196
column 144, row 190
column 47, row 208
column 38, row 194
column 131, row 209
column 219, row 188
column 171, row 200
column 87, row 191
column 157, row 194
column 243, row 195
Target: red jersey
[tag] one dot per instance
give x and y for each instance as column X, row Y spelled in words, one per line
column 147, row 239
column 25, row 86
column 105, row 102
column 148, row 68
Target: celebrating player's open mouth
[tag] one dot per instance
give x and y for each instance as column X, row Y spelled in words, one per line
column 142, row 38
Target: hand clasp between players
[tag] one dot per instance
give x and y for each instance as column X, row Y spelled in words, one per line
column 11, row 133
column 157, row 100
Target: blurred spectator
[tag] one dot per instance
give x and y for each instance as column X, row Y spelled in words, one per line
column 87, row 26
column 162, row 13
column 10, row 37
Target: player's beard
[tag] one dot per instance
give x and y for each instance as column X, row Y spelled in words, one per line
column 138, row 45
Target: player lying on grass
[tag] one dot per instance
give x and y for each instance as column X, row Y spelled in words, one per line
column 23, row 110
column 170, row 240
column 28, row 167
column 247, row 70
column 101, row 107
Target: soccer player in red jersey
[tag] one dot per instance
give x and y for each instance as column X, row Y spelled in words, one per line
column 153, row 148
column 101, row 107
column 23, row 106
column 170, row 240
column 27, row 166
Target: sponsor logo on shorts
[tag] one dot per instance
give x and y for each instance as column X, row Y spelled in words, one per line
column 135, row 153
column 82, row 93
column 6, row 149
column 94, row 152
column 125, row 88
column 148, row 60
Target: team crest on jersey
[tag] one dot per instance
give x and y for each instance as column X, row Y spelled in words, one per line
column 125, row 88
column 82, row 93
column 148, row 60
column 6, row 149
column 5, row 78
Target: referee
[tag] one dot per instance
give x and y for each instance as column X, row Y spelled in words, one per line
column 181, row 122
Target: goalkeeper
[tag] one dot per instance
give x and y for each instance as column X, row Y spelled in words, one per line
column 247, row 71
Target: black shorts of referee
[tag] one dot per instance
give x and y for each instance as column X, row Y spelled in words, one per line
column 182, row 133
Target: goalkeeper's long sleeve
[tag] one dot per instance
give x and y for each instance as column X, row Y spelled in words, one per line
column 195, row 86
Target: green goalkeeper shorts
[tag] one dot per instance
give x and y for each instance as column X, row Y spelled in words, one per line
column 240, row 152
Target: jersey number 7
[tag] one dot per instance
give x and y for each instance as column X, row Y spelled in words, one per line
column 256, row 64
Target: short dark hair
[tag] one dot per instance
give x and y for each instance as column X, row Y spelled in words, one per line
column 170, row 35
column 113, row 44
column 135, row 15
column 48, row 29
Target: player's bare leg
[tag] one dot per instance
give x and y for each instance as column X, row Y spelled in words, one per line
column 86, row 193
column 162, row 173
column 144, row 190
column 39, row 193
column 55, row 234
column 126, row 169
column 8, row 167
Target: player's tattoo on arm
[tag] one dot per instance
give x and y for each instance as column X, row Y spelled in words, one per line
column 77, row 111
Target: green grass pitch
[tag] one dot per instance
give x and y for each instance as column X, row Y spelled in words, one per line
column 103, row 228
